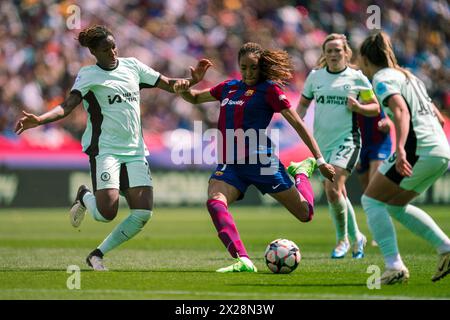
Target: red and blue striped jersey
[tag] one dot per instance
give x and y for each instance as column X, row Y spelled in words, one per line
column 370, row 135
column 249, row 108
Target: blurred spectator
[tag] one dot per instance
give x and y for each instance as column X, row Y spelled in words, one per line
column 39, row 56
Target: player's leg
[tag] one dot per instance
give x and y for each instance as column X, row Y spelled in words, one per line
column 373, row 167
column 363, row 167
column 104, row 202
column 221, row 193
column 374, row 202
column 295, row 203
column 366, row 168
column 425, row 172
column 140, row 201
column 103, row 207
column 357, row 238
column 343, row 158
column 389, row 194
column 136, row 184
column 298, row 199
column 363, row 179
column 337, row 206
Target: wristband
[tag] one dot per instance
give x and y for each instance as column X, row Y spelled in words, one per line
column 320, row 161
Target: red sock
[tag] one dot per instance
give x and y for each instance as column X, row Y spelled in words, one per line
column 303, row 186
column 226, row 228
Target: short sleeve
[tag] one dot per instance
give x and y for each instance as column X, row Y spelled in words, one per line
column 307, row 88
column 147, row 76
column 82, row 83
column 277, row 99
column 217, row 90
column 385, row 87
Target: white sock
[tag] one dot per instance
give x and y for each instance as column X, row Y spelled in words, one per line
column 381, row 226
column 421, row 224
column 338, row 212
column 91, row 206
column 394, row 262
column 352, row 225
column 444, row 248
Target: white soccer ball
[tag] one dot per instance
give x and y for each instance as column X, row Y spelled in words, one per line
column 282, row 256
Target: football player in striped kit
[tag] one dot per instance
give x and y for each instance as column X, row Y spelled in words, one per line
column 247, row 106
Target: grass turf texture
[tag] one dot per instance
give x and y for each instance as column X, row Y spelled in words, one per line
column 176, row 255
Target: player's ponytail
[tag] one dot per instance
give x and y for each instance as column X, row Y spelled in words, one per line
column 377, row 48
column 322, row 62
column 90, row 37
column 275, row 65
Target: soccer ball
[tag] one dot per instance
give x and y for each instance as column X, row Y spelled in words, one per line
column 282, row 256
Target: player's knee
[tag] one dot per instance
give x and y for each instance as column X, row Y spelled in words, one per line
column 368, row 203
column 303, row 213
column 332, row 192
column 333, row 195
column 108, row 213
column 365, row 200
column 305, row 218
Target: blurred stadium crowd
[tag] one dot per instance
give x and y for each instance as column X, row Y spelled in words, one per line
column 39, row 56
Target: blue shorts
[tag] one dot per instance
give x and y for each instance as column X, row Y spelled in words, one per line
column 270, row 178
column 371, row 153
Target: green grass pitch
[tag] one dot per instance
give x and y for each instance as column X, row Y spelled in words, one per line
column 176, row 256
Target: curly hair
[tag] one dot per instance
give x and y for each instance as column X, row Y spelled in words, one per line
column 91, row 37
column 275, row 65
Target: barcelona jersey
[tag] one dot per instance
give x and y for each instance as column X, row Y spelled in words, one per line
column 370, row 135
column 245, row 113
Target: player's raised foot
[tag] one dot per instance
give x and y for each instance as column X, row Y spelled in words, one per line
column 443, row 267
column 241, row 265
column 341, row 250
column 78, row 210
column 306, row 167
column 392, row 276
column 358, row 247
column 95, row 260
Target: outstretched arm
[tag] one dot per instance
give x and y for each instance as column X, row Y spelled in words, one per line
column 197, row 75
column 293, row 118
column 181, row 87
column 64, row 109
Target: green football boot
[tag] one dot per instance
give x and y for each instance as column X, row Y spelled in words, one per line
column 306, row 167
column 238, row 266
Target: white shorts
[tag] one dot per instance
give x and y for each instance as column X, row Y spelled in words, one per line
column 119, row 172
column 344, row 156
column 426, row 170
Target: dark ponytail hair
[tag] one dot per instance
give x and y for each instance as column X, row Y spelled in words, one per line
column 91, row 37
column 377, row 48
